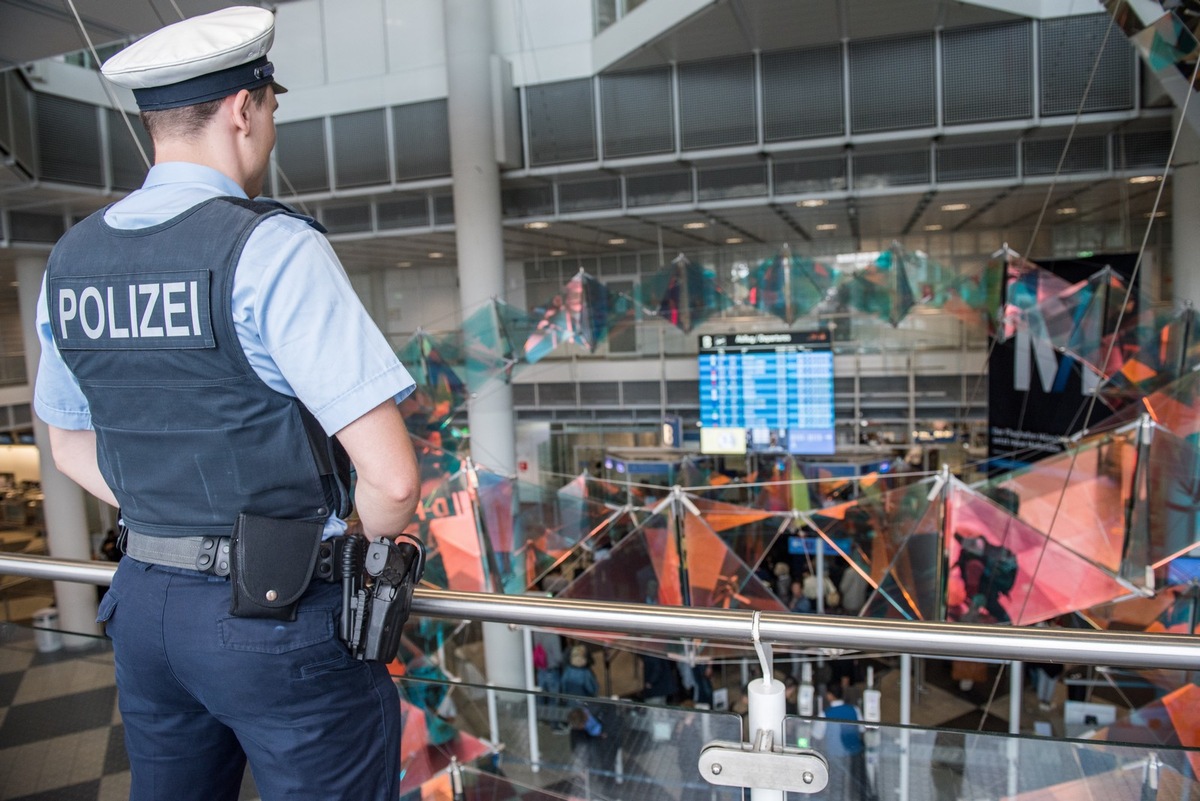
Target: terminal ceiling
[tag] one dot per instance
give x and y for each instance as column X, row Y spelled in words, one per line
column 1009, row 209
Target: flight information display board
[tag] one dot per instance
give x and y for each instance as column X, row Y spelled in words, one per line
column 768, row 392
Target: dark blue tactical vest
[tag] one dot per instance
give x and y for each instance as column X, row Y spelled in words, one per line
column 187, row 433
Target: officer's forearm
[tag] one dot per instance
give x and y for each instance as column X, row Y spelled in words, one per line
column 75, row 457
column 384, row 511
column 388, row 486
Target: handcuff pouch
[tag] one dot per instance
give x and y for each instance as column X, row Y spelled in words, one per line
column 272, row 564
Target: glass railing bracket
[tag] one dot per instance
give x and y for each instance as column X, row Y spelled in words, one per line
column 763, row 767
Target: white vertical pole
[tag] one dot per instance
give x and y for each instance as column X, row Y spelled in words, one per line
column 493, row 717
column 64, row 506
column 767, row 709
column 531, row 699
column 479, row 239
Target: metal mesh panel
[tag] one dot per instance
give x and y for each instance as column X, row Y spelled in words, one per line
column 300, row 156
column 683, row 393
column 717, row 104
column 527, row 201
column 31, row 227
column 128, row 169
column 727, row 182
column 892, row 84
column 604, row 193
column 1086, row 154
column 346, row 219
column 637, row 113
column 409, row 212
column 557, row 394
column 1143, row 149
column 68, row 141
column 809, row 175
column 987, row 73
column 561, row 122
column 21, row 413
column 802, row 94
column 977, row 162
column 360, row 148
column 443, row 210
column 422, row 132
column 523, row 395
column 663, row 187
column 20, row 109
column 601, row 393
column 6, row 139
column 1070, row 50
column 640, row 392
column 891, row 169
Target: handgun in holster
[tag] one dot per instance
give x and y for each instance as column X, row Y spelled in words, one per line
column 377, row 590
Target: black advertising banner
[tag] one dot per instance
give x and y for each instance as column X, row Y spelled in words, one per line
column 1036, row 394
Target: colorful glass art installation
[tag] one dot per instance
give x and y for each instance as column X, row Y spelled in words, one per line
column 493, row 340
column 682, row 293
column 440, row 392
column 428, row 745
column 882, row 289
column 578, row 315
column 790, row 287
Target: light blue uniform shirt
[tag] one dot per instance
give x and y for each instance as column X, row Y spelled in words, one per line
column 303, row 328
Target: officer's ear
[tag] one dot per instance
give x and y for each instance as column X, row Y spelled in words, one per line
column 238, row 108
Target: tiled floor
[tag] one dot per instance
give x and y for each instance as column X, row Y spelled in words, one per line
column 61, row 737
column 60, row 733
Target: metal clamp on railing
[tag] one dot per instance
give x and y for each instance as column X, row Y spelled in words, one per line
column 764, row 766
column 768, row 770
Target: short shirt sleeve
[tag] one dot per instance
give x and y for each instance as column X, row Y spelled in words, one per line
column 304, row 329
column 57, row 398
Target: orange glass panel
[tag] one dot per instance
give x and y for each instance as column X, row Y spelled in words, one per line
column 1012, row 573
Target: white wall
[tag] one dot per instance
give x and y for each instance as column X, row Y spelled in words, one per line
column 531, row 439
column 336, row 56
column 22, row 461
column 421, row 297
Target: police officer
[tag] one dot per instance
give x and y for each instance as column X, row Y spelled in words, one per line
column 204, row 356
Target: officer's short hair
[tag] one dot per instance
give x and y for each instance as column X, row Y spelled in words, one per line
column 188, row 122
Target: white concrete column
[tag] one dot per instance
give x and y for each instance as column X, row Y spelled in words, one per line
column 1185, row 234
column 477, row 219
column 480, row 242
column 64, row 506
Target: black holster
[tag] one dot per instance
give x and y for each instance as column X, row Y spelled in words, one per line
column 271, row 565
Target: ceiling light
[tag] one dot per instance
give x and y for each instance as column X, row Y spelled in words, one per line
column 616, row 241
column 827, row 227
column 1066, row 210
column 437, row 254
column 1155, row 214
column 404, row 264
column 812, row 204
column 733, row 240
column 956, row 207
column 537, row 225
column 558, row 253
column 695, row 226
column 933, row 227
column 1145, row 179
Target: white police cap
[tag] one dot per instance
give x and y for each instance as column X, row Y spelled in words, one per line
column 199, row 59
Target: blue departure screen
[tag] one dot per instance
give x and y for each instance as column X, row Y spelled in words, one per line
column 776, row 387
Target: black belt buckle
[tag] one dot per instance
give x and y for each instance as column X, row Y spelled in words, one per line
column 213, row 556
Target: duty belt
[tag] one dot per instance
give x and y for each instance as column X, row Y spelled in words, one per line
column 206, row 554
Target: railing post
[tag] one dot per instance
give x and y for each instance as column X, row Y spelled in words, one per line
column 531, row 700
column 493, row 717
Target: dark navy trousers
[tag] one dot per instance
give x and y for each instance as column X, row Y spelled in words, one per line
column 201, row 691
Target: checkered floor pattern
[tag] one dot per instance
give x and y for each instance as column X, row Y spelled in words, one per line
column 61, row 737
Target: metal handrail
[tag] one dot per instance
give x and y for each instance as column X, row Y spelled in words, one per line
column 1111, row 648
